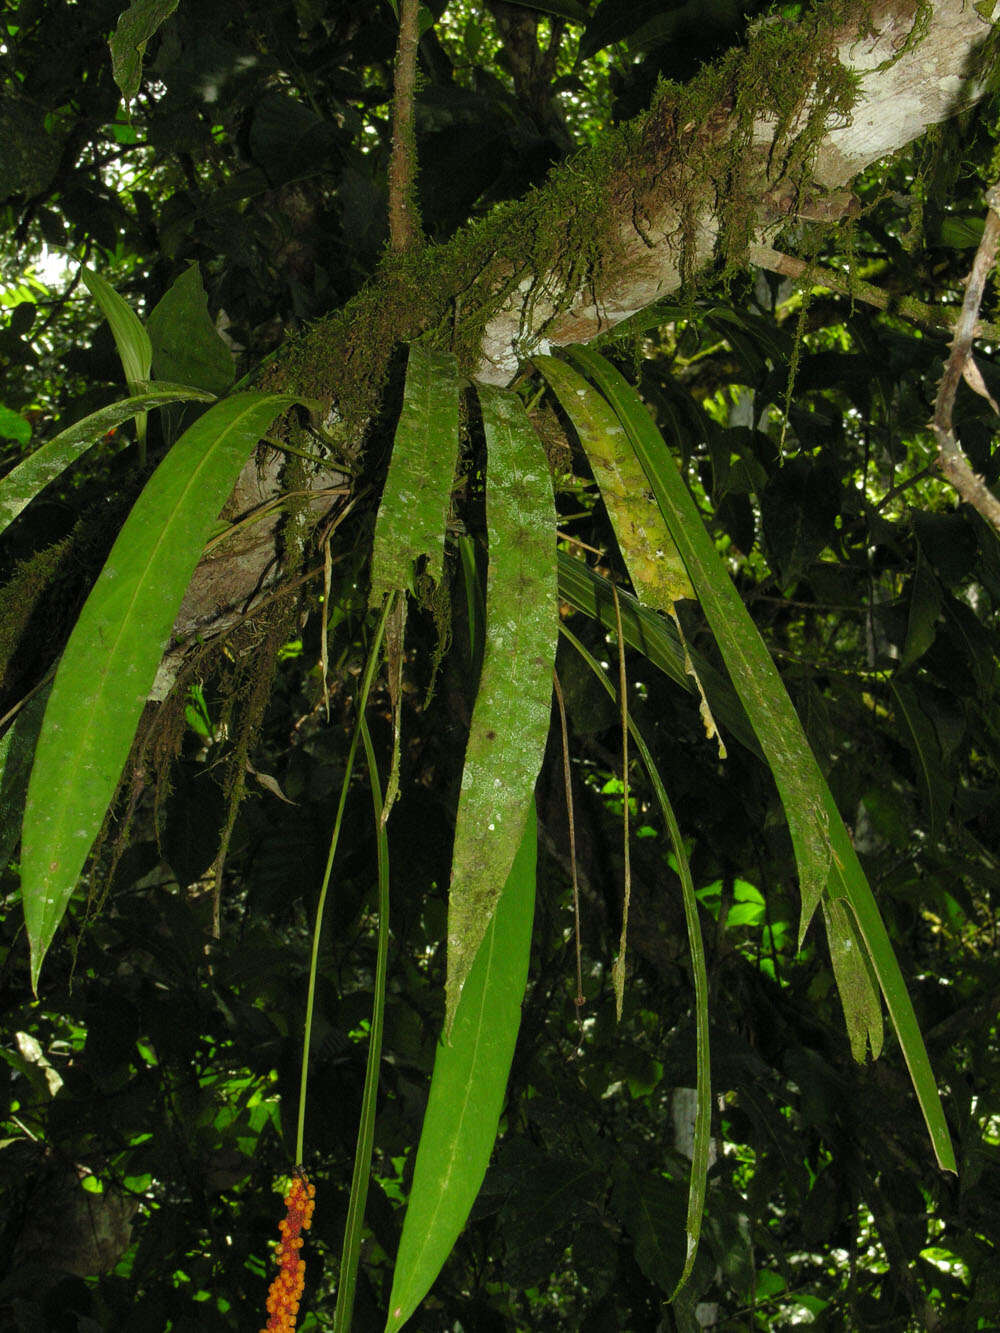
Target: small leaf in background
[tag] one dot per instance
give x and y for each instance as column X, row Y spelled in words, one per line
column 187, row 347
column 128, row 41
column 510, row 721
column 925, row 607
column 414, row 509
column 653, row 561
column 929, row 764
column 110, row 661
column 13, row 426
column 467, row 1089
column 20, row 486
column 134, row 348
column 855, row 980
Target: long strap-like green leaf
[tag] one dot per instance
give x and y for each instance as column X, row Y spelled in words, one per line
column 510, row 720
column 111, row 658
column 824, row 851
column 467, row 1089
column 22, row 483
column 414, row 508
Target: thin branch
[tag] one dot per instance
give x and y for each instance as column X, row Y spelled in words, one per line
column 404, row 215
column 934, row 317
column 951, row 460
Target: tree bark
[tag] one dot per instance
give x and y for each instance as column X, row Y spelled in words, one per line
column 915, row 65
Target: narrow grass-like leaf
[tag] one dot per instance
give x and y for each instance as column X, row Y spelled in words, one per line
column 809, row 805
column 467, row 1089
column 696, row 948
column 351, row 1251
column 20, row 486
column 510, row 720
column 414, row 509
column 932, row 778
column 111, row 658
column 134, row 348
column 651, row 557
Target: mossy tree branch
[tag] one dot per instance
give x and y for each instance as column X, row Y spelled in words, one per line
column 404, row 214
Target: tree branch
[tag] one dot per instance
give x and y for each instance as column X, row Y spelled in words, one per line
column 404, row 214
column 952, row 462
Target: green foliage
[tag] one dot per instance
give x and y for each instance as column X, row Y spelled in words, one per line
column 471, row 1067
column 162, row 1059
column 107, row 669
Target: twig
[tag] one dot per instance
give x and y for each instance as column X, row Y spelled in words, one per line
column 404, row 215
column 935, row 317
column 952, row 462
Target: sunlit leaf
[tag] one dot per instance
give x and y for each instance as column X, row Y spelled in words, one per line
column 467, row 1089
column 510, row 720
column 111, row 658
column 134, row 348
column 20, row 486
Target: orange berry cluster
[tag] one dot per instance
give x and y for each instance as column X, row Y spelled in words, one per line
column 286, row 1289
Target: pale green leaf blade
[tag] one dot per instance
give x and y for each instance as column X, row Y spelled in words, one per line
column 13, row 426
column 753, row 674
column 128, row 41
column 111, row 658
column 510, row 720
column 187, row 347
column 857, row 986
column 414, row 510
column 467, row 1089
column 653, row 562
column 134, row 348
column 20, row 486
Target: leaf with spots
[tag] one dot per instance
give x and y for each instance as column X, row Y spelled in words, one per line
column 110, row 661
column 414, row 509
column 650, row 554
column 510, row 720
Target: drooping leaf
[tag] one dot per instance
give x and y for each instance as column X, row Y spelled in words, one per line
column 753, row 674
column 128, row 41
column 510, row 719
column 467, row 1089
column 111, row 658
column 131, row 339
column 187, row 347
column 653, row 561
column 855, row 982
column 20, row 486
column 822, row 843
column 414, row 509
